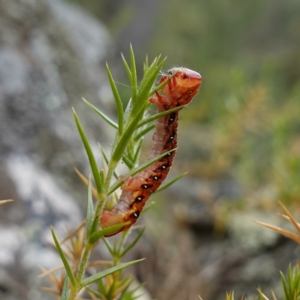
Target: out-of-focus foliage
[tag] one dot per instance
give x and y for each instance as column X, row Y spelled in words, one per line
column 248, row 54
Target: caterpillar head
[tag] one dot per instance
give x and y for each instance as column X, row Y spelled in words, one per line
column 185, row 77
column 183, row 84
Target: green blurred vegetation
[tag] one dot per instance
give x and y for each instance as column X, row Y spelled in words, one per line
column 248, row 111
column 249, row 56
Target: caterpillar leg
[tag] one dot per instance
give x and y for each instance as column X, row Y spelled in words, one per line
column 172, row 84
column 159, row 99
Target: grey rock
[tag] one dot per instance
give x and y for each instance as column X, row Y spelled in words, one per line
column 50, row 56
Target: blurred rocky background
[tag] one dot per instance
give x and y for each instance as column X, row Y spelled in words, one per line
column 239, row 139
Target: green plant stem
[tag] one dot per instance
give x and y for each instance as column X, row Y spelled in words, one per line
column 111, row 168
column 82, row 266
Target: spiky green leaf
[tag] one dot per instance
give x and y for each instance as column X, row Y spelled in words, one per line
column 149, row 79
column 128, row 162
column 89, row 153
column 89, row 209
column 159, row 115
column 102, row 177
column 148, row 206
column 63, row 257
column 130, row 294
column 124, row 291
column 133, row 76
column 169, row 183
column 284, row 285
column 128, row 132
column 143, row 132
column 127, row 67
column 109, row 271
column 107, row 161
column 137, row 151
column 118, row 100
column 146, row 65
column 132, row 244
column 64, row 293
column 107, row 119
column 105, row 231
column 109, row 247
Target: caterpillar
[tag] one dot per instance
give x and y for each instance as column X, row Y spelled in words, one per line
column 182, row 86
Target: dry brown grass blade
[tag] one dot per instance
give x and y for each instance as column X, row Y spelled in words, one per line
column 50, row 290
column 263, row 295
column 6, row 201
column 53, row 279
column 74, row 242
column 287, row 233
column 273, row 295
column 287, row 218
column 47, row 272
column 93, row 297
column 86, row 182
column 100, row 263
column 72, row 233
column 292, row 220
column 284, row 216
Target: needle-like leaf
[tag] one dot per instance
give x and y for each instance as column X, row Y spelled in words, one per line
column 117, row 100
column 143, row 132
column 149, row 79
column 126, row 67
column 128, row 162
column 63, row 257
column 146, row 65
column 89, row 153
column 159, row 115
column 109, row 247
column 148, row 206
column 131, row 245
column 105, row 231
column 133, row 76
column 106, row 160
column 101, row 114
column 122, row 296
column 169, row 183
column 89, row 209
column 137, row 151
column 64, row 293
column 127, row 134
column 109, row 271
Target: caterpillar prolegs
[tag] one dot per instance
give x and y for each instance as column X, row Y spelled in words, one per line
column 180, row 90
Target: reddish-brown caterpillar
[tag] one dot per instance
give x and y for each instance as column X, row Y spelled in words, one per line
column 180, row 90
